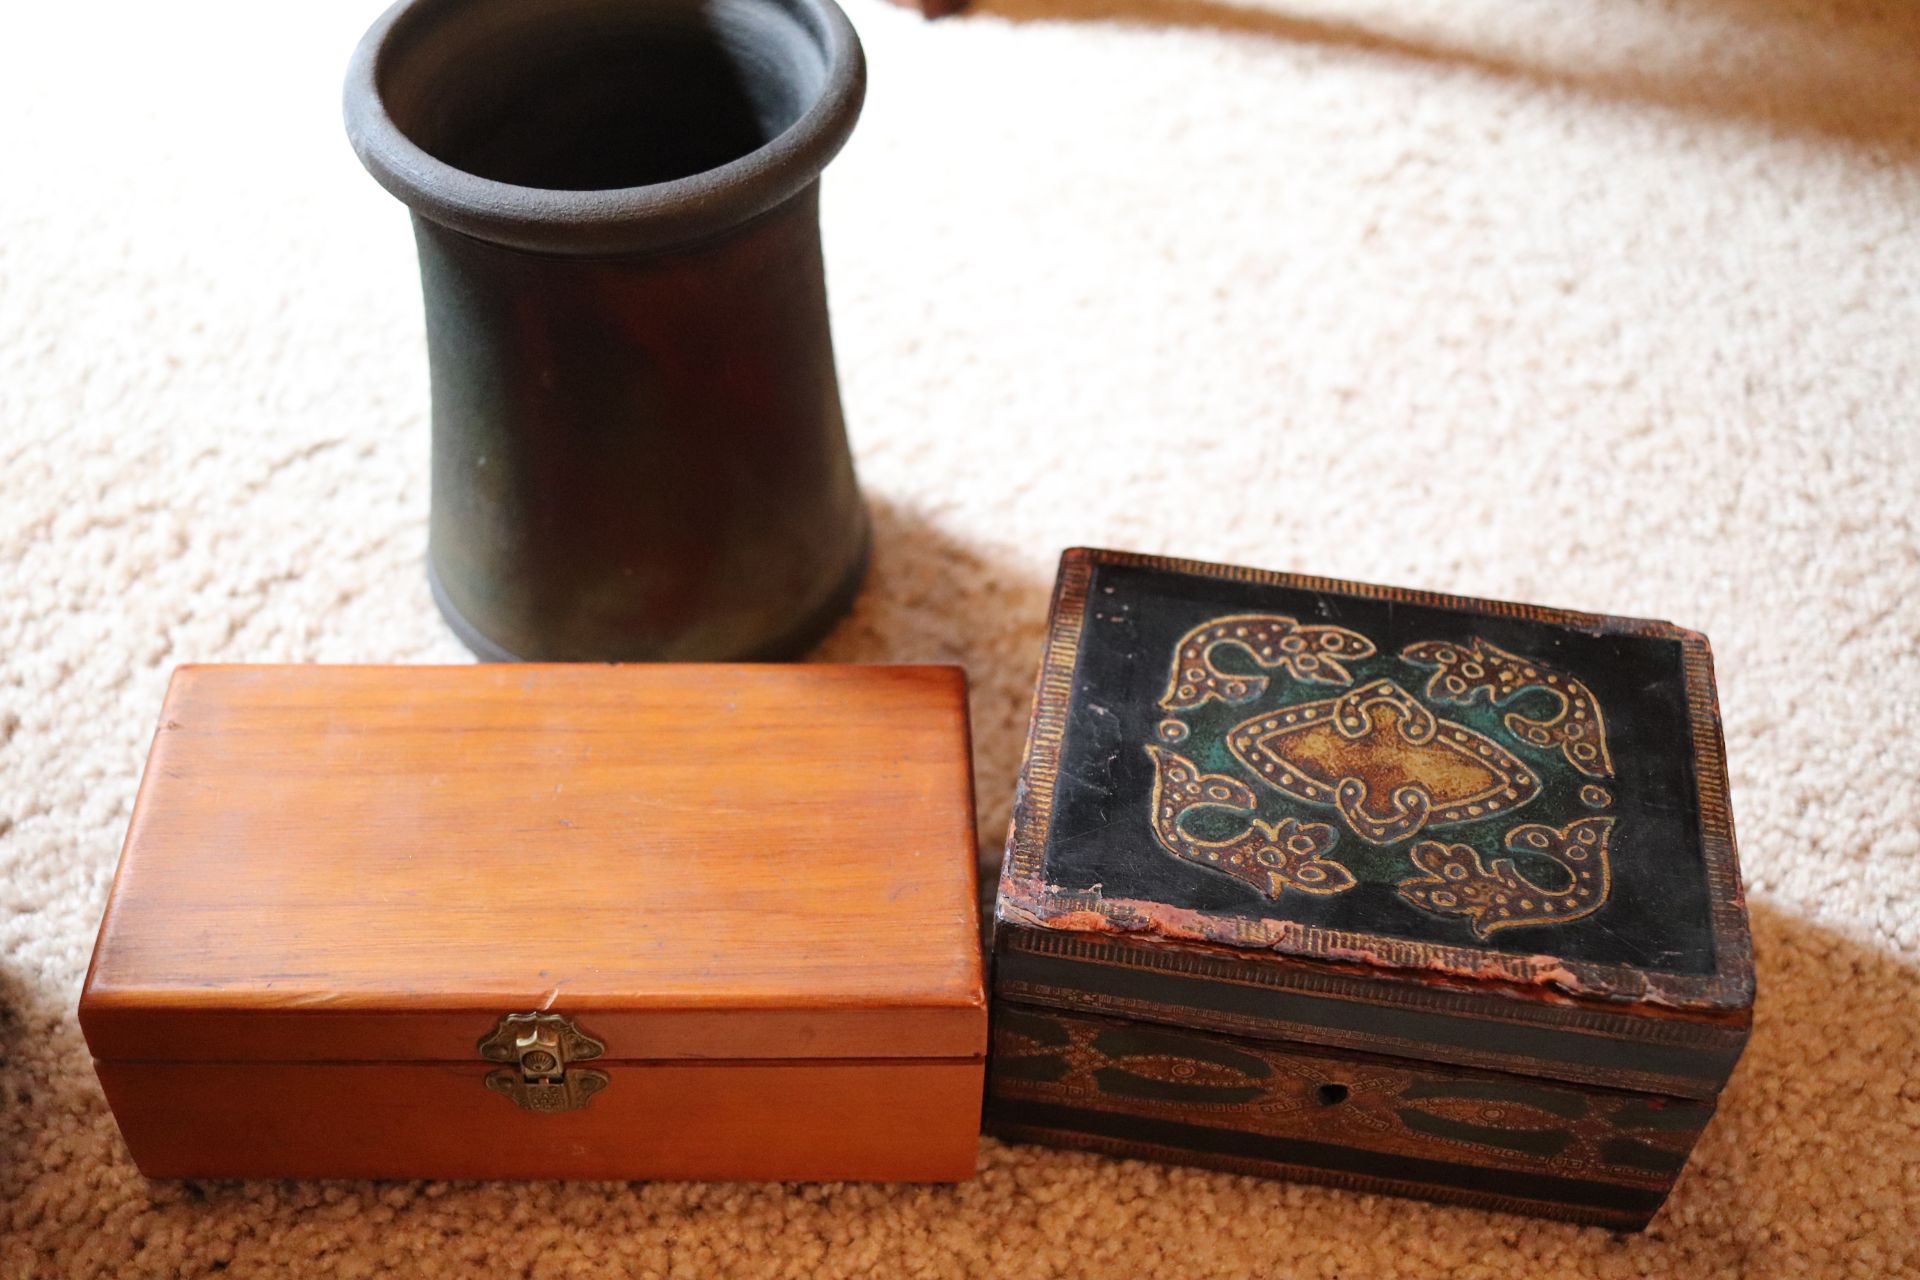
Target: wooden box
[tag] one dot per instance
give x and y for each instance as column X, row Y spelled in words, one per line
column 1390, row 890
column 712, row 922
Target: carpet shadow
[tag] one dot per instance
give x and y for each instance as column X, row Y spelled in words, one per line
column 933, row 597
column 1852, row 85
column 46, row 1076
column 1833, row 1023
column 16, row 1087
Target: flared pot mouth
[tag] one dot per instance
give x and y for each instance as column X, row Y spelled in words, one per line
column 802, row 80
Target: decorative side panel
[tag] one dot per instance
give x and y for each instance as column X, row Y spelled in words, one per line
column 1431, row 1128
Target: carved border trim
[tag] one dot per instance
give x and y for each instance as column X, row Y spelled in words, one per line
column 1047, row 730
column 1266, row 1029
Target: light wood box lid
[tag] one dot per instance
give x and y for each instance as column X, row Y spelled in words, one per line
column 376, row 863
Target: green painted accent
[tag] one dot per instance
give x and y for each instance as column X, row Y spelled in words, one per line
column 1559, row 1102
column 1176, row 1051
column 1043, row 1068
column 1138, row 1042
column 1639, row 1155
column 1046, row 1031
column 1557, row 804
column 1675, row 1117
column 1125, row 1084
column 1538, row 1142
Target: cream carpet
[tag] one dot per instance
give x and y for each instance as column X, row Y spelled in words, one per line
column 1608, row 304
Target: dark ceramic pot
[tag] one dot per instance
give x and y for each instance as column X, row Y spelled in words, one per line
column 638, row 450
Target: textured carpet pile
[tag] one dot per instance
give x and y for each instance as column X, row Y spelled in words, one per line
column 1607, row 304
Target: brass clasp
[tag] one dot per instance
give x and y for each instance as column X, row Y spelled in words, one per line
column 542, row 1048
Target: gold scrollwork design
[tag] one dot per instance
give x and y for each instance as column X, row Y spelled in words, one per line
column 1313, row 654
column 1270, row 856
column 1385, row 762
column 1462, row 672
column 1456, row 882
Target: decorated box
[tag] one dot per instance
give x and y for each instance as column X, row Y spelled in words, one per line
column 1392, row 890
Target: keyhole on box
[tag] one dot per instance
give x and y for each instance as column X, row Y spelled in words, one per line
column 1330, row 1095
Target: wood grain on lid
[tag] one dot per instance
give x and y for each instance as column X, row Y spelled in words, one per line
column 371, row 863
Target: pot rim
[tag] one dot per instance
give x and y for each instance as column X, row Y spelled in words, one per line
column 615, row 220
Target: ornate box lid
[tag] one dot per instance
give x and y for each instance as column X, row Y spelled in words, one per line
column 690, row 862
column 1454, row 829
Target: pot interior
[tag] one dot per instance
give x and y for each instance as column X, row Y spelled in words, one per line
column 593, row 95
